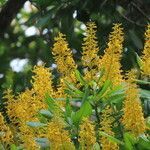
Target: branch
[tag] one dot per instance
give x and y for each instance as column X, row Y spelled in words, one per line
column 8, row 12
column 140, row 11
column 131, row 21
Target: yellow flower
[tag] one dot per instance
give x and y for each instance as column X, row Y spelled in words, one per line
column 58, row 136
column 63, row 57
column 27, row 137
column 65, row 65
column 111, row 59
column 11, row 105
column 6, row 136
column 106, row 126
column 90, row 50
column 27, row 107
column 146, row 53
column 87, row 134
column 133, row 118
column 42, row 83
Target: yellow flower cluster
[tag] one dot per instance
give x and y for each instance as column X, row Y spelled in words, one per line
column 24, row 107
column 87, row 136
column 58, row 136
column 133, row 118
column 6, row 136
column 11, row 105
column 27, row 137
column 146, row 53
column 63, row 57
column 42, row 82
column 111, row 59
column 106, row 126
column 90, row 52
column 65, row 64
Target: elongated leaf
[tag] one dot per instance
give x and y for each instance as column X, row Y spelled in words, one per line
column 139, row 61
column 116, row 98
column 142, row 82
column 136, row 40
column 111, row 138
column 80, row 77
column 84, row 111
column 72, row 87
column 129, row 141
column 144, row 142
column 51, row 103
column 96, row 146
column 46, row 113
column 101, row 73
column 43, row 142
column 36, row 124
column 116, row 90
column 68, row 108
column 103, row 90
column 86, row 94
column 145, row 93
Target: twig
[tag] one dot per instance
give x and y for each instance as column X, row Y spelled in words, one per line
column 135, row 6
column 131, row 21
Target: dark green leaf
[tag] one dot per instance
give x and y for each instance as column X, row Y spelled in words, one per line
column 144, row 142
column 111, row 138
column 84, row 111
column 80, row 77
column 145, row 93
column 103, row 90
column 129, row 141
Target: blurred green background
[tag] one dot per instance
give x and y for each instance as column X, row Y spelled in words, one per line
column 29, row 37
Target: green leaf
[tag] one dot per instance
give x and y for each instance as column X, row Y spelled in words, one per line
column 129, row 141
column 101, row 73
column 116, row 95
column 111, row 138
column 84, row 111
column 86, row 94
column 1, row 147
column 73, row 88
column 148, row 122
column 116, row 90
column 51, row 103
column 96, row 146
column 36, row 124
column 103, row 90
column 116, row 98
column 13, row 147
column 80, row 77
column 142, row 82
column 43, row 142
column 145, row 93
column 138, row 60
column 46, row 113
column 136, row 40
column 144, row 142
column 68, row 108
